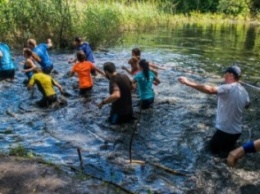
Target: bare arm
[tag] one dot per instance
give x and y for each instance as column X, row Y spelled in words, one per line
column 156, row 81
column 31, row 64
column 36, row 57
column 71, row 74
column 112, row 98
column 127, row 70
column 99, row 71
column 1, row 54
column 200, row 87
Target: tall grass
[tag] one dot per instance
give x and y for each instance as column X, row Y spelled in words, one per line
column 100, row 22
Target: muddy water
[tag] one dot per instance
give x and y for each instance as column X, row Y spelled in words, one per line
column 170, row 140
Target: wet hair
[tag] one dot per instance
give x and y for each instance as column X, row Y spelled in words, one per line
column 145, row 66
column 133, row 60
column 81, row 56
column 27, row 51
column 78, row 39
column 37, row 70
column 136, row 52
column 109, row 67
column 31, row 42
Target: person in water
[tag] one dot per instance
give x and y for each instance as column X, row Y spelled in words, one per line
column 232, row 99
column 120, row 95
column 83, row 68
column 7, row 67
column 145, row 79
column 133, row 62
column 236, row 154
column 45, row 85
column 41, row 55
column 28, row 64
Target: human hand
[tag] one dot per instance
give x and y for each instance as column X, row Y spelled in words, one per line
column 100, row 105
column 183, row 80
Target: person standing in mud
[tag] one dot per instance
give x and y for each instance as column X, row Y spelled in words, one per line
column 145, row 79
column 83, row 68
column 85, row 47
column 7, row 68
column 232, row 99
column 41, row 55
column 28, row 64
column 120, row 95
column 45, row 85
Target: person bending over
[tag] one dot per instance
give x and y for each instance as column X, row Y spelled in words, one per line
column 145, row 79
column 120, row 95
column 232, row 99
column 41, row 55
column 83, row 68
column 45, row 85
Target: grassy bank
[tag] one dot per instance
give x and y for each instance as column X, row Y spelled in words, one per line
column 100, row 22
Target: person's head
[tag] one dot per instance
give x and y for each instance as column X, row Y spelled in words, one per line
column 37, row 70
column 77, row 41
column 109, row 69
column 136, row 52
column 144, row 67
column 81, row 56
column 31, row 43
column 27, row 52
column 232, row 74
column 133, row 61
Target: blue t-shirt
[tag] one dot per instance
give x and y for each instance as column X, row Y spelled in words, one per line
column 88, row 52
column 145, row 87
column 42, row 51
column 6, row 61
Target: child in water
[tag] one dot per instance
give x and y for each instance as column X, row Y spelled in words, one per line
column 145, row 79
column 134, row 66
column 28, row 64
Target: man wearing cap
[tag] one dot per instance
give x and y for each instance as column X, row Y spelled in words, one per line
column 42, row 56
column 232, row 99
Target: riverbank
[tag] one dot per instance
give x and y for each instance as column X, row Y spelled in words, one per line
column 25, row 176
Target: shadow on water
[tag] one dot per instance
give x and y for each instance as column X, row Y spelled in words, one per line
column 170, row 138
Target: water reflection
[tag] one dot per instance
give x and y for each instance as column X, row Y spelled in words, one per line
column 173, row 134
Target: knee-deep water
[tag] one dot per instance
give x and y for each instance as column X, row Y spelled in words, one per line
column 169, row 139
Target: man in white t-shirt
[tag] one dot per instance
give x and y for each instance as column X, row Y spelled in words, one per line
column 232, row 100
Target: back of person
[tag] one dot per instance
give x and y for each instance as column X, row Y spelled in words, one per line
column 83, row 69
column 123, row 105
column 232, row 100
column 88, row 52
column 6, row 62
column 41, row 51
column 44, row 83
column 145, row 87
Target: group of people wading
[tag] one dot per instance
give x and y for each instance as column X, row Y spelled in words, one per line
column 232, row 97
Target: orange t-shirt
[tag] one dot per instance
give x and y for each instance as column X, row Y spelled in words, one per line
column 83, row 69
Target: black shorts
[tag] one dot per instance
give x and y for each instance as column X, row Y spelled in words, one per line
column 223, row 142
column 119, row 119
column 147, row 103
column 7, row 74
column 84, row 91
column 47, row 70
column 47, row 101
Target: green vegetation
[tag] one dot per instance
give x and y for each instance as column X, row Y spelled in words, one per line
column 101, row 22
column 21, row 151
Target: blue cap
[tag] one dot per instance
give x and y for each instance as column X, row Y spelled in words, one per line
column 235, row 70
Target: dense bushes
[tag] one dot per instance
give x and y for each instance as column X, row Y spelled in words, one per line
column 102, row 21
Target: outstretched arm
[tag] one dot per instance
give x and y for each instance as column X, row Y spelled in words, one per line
column 99, row 71
column 112, row 98
column 200, row 87
column 127, row 70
